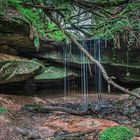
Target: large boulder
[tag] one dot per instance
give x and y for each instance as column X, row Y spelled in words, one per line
column 13, row 69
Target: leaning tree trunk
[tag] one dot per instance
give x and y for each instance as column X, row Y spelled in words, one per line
column 105, row 75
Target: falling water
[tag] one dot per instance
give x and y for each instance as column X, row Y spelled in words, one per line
column 98, row 75
column 84, row 76
column 94, row 47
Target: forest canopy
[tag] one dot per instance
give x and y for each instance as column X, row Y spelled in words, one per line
column 82, row 18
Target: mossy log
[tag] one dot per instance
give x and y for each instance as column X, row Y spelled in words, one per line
column 47, row 109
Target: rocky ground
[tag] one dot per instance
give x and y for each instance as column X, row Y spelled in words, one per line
column 55, row 124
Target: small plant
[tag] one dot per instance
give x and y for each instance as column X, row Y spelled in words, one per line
column 116, row 133
column 2, row 110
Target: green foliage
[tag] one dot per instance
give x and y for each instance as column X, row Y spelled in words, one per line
column 116, row 133
column 107, row 21
column 122, row 22
column 55, row 33
column 39, row 24
column 2, row 110
column 113, row 27
column 31, row 16
column 36, row 42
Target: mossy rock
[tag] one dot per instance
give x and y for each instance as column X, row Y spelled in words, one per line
column 54, row 72
column 116, row 133
column 13, row 69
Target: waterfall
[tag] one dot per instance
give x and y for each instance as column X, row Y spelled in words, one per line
column 95, row 48
column 84, row 76
column 98, row 44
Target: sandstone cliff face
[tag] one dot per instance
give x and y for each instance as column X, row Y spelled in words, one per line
column 47, row 63
column 20, row 60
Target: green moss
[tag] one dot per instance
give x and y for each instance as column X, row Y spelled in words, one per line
column 34, row 106
column 53, row 73
column 2, row 110
column 116, row 133
column 57, row 35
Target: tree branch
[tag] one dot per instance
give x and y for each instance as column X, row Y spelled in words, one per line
column 43, row 7
column 75, row 26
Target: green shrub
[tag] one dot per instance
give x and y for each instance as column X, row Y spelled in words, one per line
column 116, row 133
column 2, row 110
